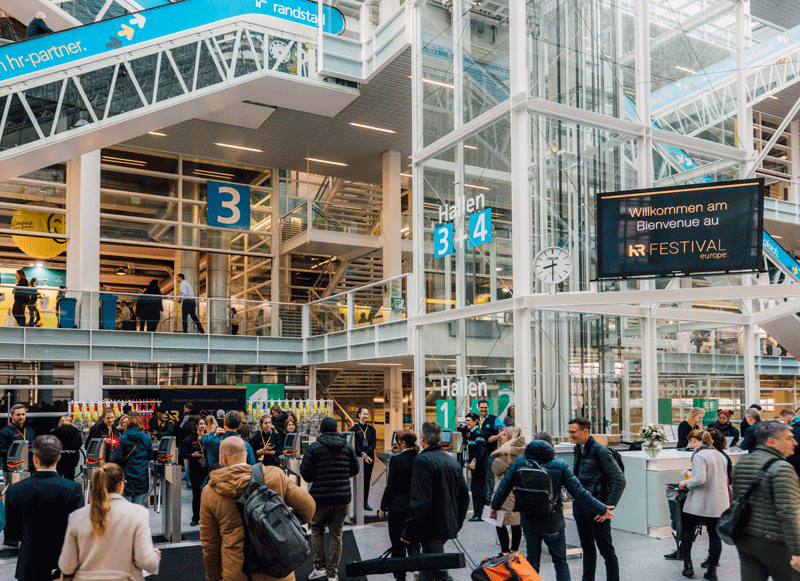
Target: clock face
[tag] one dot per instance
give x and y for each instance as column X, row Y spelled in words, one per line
column 552, row 265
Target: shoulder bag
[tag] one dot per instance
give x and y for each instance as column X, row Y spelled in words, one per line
column 731, row 524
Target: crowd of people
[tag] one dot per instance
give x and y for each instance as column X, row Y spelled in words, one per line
column 426, row 498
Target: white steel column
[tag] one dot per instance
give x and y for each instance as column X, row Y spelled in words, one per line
column 393, row 396
column 521, row 218
column 649, row 370
column 744, row 114
column 391, row 222
column 752, row 387
column 83, row 259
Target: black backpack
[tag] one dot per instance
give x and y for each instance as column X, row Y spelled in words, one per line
column 275, row 542
column 534, row 492
column 617, row 458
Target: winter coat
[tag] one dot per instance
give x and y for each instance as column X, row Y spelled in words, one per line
column 728, row 430
column 99, row 431
column 221, row 529
column 120, row 554
column 37, row 27
column 328, row 465
column 708, row 486
column 794, row 459
column 599, row 472
column 273, row 438
column 502, row 459
column 211, row 444
column 543, row 454
column 776, row 501
column 137, row 466
column 749, row 440
column 439, row 497
column 397, row 493
column 684, row 429
column 279, row 422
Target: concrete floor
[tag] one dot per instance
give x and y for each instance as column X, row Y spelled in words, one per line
column 639, row 556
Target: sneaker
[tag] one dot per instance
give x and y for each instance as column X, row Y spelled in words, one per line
column 318, row 574
column 333, row 578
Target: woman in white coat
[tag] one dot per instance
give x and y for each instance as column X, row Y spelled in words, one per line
column 707, row 500
column 109, row 539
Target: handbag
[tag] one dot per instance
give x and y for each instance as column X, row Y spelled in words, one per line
column 676, row 494
column 511, row 567
column 731, row 524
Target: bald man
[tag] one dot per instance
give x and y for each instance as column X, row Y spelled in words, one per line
column 38, row 26
column 221, row 528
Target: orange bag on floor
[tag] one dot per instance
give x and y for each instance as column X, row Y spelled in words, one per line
column 511, row 567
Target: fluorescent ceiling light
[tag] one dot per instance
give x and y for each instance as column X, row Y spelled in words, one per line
column 778, row 237
column 238, row 147
column 326, row 161
column 381, row 364
column 135, row 162
column 470, row 147
column 438, row 83
column 406, row 229
column 408, row 175
column 773, row 97
column 39, row 265
column 373, row 128
column 157, row 133
column 476, row 187
column 685, row 69
column 212, row 174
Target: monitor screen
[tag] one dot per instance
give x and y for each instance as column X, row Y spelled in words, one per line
column 394, row 445
column 349, row 437
column 94, row 447
column 165, row 443
column 447, row 439
column 290, row 442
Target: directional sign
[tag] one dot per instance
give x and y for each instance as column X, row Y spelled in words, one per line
column 446, row 413
column 228, row 205
column 122, row 33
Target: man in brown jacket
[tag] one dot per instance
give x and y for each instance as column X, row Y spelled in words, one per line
column 221, row 529
column 770, row 545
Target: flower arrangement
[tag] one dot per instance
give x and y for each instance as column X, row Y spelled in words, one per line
column 652, row 433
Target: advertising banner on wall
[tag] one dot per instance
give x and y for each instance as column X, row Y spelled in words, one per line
column 206, row 398
column 680, row 230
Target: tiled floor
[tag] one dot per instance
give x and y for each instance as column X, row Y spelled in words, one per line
column 639, row 556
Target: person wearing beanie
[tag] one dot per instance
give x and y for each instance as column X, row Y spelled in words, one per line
column 724, row 425
column 328, row 465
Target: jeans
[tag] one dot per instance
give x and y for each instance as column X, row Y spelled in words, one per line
column 435, row 546
column 332, row 517
column 556, row 544
column 689, row 523
column 188, row 307
column 591, row 532
column 760, row 559
column 478, row 488
column 137, row 498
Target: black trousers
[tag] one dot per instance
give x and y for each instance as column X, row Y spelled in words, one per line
column 397, row 520
column 368, row 466
column 197, row 475
column 188, row 307
column 478, row 488
column 760, row 559
column 689, row 523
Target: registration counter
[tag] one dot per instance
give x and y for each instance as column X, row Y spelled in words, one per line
column 644, row 507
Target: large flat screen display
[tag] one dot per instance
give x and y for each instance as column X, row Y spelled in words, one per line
column 680, row 230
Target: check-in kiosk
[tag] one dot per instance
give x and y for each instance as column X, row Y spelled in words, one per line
column 357, row 486
column 167, row 478
column 447, row 440
column 17, row 462
column 95, row 451
column 290, row 459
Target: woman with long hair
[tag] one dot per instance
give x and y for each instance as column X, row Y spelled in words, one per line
column 20, row 298
column 71, row 442
column 104, row 428
column 133, row 454
column 109, row 539
column 211, row 424
column 397, row 494
column 122, row 425
column 512, row 446
column 194, row 451
column 291, row 427
column 707, row 500
column 149, row 307
column 692, row 422
column 267, row 442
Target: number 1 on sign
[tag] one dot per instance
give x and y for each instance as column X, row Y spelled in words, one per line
column 480, row 228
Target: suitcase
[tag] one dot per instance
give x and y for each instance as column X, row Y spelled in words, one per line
column 512, row 567
column 386, row 564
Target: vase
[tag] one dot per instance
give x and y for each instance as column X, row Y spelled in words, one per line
column 652, row 449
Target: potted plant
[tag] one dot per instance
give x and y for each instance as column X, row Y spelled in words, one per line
column 654, row 436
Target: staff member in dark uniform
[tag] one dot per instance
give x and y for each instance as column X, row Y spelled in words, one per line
column 397, row 494
column 104, row 428
column 194, row 451
column 267, row 444
column 492, row 429
column 724, row 425
column 17, row 430
column 20, row 299
column 364, row 441
column 476, row 446
column 71, row 442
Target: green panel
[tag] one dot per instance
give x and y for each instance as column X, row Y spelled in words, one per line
column 274, row 390
column 446, row 413
column 711, row 406
column 665, row 411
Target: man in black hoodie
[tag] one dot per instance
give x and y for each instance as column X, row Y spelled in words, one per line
column 328, row 465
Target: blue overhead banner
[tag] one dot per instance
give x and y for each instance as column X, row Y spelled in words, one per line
column 124, row 32
column 228, row 205
column 781, row 255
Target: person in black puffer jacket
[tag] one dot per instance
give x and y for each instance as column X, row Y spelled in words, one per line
column 328, row 465
column 279, row 418
column 549, row 529
column 133, row 454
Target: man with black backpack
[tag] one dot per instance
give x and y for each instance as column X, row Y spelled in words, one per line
column 229, row 545
column 536, row 478
column 598, row 471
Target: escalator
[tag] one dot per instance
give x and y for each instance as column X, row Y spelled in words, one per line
column 93, row 86
column 782, row 268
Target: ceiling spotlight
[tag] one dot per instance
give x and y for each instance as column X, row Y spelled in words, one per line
column 121, row 271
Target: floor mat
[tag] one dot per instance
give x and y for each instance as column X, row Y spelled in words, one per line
column 186, row 563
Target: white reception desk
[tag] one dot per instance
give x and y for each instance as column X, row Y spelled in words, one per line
column 644, row 508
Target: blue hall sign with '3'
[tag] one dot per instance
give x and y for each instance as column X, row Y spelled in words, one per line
column 125, row 32
column 228, row 205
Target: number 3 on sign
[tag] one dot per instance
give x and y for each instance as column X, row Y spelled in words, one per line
column 443, row 240
column 480, row 228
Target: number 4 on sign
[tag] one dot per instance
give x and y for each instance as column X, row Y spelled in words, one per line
column 480, row 228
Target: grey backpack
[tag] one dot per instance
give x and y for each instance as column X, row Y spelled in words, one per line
column 275, row 542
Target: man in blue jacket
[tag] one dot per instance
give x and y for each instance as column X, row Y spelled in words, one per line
column 38, row 26
column 211, row 442
column 549, row 529
column 478, row 459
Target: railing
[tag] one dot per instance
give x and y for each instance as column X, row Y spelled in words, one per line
column 380, row 302
column 62, row 308
column 331, row 217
